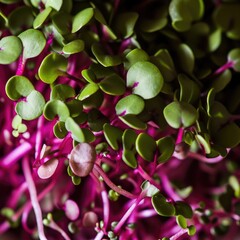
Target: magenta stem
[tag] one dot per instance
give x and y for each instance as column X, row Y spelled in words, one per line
column 112, row 185
column 21, row 66
column 178, row 234
column 180, row 135
column 226, row 66
column 33, row 197
column 106, row 206
column 39, row 138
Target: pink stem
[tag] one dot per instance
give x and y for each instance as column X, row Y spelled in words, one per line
column 226, row 66
column 34, row 198
column 38, row 143
column 180, row 135
column 178, row 234
column 21, row 65
column 106, row 207
column 54, row 226
column 112, row 185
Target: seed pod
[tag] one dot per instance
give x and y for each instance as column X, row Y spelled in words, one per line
column 82, row 159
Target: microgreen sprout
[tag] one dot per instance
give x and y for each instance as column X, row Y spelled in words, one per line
column 119, row 119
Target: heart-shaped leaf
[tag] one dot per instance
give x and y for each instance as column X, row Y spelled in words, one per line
column 113, row 85
column 33, row 43
column 180, row 114
column 146, row 146
column 161, row 206
column 113, row 135
column 145, row 79
column 10, row 49
column 32, row 108
column 18, row 86
column 81, row 19
column 75, row 46
column 131, row 104
column 107, row 60
column 166, row 147
column 53, row 66
column 46, row 170
column 41, row 17
column 54, row 108
column 62, row 92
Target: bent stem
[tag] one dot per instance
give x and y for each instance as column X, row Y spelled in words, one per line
column 112, row 185
column 34, row 198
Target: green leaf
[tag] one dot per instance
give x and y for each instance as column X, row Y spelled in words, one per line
column 88, row 91
column 166, row 146
column 52, row 66
column 81, row 19
column 75, row 107
column 181, row 221
column 131, row 104
column 62, row 21
column 113, row 85
column 228, row 136
column 32, row 108
column 76, row 132
column 180, row 114
column 96, row 120
column 221, row 81
column 93, row 101
column 124, row 24
column 163, row 60
column 234, row 56
column 145, row 79
column 204, row 143
column 59, row 130
column 182, row 208
column 75, row 46
column 54, row 108
column 151, row 189
column 226, row 17
column 234, row 183
column 56, row 4
column 184, row 12
column 129, row 138
column 107, row 60
column 41, row 17
column 129, row 158
column 62, row 92
column 113, row 135
column 191, row 230
column 33, row 43
column 189, row 90
column 214, row 40
column 161, row 206
column 133, row 122
column 18, row 86
column 17, row 120
column 185, row 58
column 10, row 49
column 19, row 19
column 146, row 146
column 135, row 55
column 88, row 75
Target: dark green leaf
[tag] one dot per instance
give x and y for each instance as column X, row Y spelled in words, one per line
column 146, row 146
column 182, row 208
column 75, row 46
column 133, row 122
column 161, row 206
column 62, row 92
column 166, row 146
column 181, row 221
column 129, row 138
column 129, row 158
column 59, row 130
